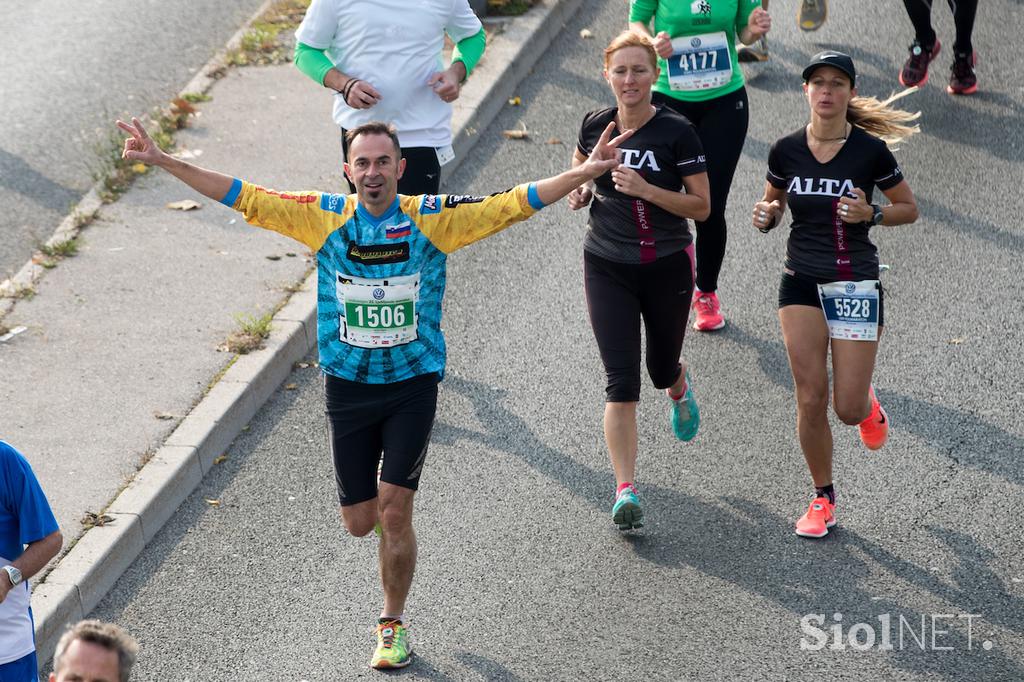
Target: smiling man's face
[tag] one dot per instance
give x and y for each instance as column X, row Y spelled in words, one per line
column 374, row 167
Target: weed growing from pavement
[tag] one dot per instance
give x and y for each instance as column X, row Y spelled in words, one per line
column 196, row 97
column 263, row 42
column 216, row 378
column 509, row 8
column 80, row 220
column 19, row 291
column 117, row 173
column 251, row 333
column 65, row 249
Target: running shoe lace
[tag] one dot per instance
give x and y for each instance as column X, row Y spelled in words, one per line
column 387, row 634
column 919, row 59
column 704, row 305
column 962, row 68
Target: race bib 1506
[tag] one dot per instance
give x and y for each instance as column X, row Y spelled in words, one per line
column 378, row 313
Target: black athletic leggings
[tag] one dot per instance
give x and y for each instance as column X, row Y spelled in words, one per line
column 618, row 296
column 721, row 124
column 920, row 12
column 422, row 169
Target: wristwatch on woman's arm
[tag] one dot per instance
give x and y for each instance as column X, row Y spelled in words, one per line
column 876, row 214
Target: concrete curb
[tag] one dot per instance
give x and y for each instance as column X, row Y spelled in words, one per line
column 86, row 209
column 103, row 553
column 507, row 62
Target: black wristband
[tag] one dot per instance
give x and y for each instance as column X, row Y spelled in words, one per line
column 348, row 88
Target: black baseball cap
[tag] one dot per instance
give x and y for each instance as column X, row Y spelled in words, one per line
column 836, row 60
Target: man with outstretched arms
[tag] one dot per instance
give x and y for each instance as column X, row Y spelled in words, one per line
column 381, row 263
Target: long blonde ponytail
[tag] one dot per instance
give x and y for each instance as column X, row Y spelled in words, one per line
column 886, row 122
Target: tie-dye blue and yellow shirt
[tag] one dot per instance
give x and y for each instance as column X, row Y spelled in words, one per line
column 381, row 280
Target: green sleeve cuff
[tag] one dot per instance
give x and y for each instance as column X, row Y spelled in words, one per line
column 312, row 62
column 469, row 50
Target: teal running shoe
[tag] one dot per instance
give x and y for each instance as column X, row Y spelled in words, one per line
column 627, row 512
column 684, row 413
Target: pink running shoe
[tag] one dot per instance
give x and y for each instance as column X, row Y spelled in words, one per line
column 819, row 518
column 874, row 430
column 708, row 310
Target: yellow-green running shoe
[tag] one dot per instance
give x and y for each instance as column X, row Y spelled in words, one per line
column 684, row 413
column 393, row 647
column 812, row 14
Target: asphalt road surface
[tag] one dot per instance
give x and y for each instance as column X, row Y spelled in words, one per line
column 68, row 69
column 521, row 574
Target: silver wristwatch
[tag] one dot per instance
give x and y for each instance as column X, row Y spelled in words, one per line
column 14, row 575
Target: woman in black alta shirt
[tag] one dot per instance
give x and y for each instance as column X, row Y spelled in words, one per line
column 826, row 173
column 638, row 255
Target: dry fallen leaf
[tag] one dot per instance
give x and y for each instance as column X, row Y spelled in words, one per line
column 184, row 205
column 166, row 416
column 301, row 365
column 585, row 34
column 212, row 503
column 515, row 101
column 221, row 459
column 92, row 519
column 291, row 387
column 956, row 342
column 275, row 257
column 554, row 140
column 182, row 106
column 520, row 134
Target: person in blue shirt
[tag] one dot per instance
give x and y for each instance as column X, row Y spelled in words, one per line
column 29, row 538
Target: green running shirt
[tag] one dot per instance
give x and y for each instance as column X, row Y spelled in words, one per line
column 703, row 20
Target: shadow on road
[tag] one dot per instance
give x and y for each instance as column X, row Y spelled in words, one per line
column 957, row 434
column 744, row 543
column 18, row 176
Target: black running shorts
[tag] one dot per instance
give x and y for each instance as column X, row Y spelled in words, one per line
column 365, row 421
column 801, row 290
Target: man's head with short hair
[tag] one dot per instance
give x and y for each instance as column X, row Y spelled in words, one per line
column 94, row 651
column 375, row 128
column 374, row 165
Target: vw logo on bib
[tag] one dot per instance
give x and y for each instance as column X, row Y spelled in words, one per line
column 378, row 293
column 695, row 42
column 850, row 287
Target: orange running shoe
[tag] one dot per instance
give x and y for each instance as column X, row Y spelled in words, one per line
column 874, row 430
column 819, row 518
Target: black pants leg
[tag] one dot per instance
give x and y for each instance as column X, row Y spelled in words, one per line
column 619, row 295
column 920, row 13
column 721, row 124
